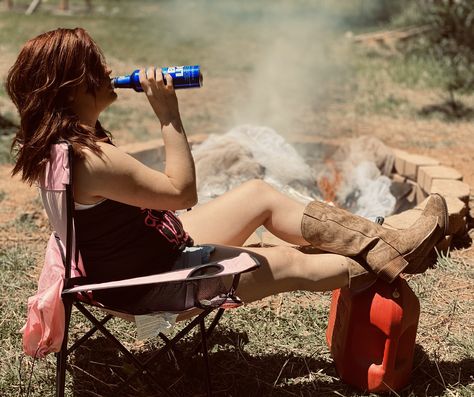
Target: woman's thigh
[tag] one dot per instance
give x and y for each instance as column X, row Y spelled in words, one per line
column 231, row 218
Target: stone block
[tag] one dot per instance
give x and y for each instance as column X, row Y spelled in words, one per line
column 457, row 211
column 267, row 239
column 197, row 139
column 403, row 220
column 270, row 239
column 150, row 152
column 398, row 178
column 417, row 194
column 407, row 164
column 253, row 240
column 426, row 175
column 451, row 188
column 455, row 206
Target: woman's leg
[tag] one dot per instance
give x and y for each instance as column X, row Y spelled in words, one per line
column 284, row 269
column 231, row 218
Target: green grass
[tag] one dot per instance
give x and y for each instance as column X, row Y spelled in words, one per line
column 273, row 349
column 276, row 349
column 5, row 155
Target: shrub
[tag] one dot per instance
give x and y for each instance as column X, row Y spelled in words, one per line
column 450, row 41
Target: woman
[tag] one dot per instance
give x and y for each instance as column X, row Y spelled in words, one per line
column 124, row 210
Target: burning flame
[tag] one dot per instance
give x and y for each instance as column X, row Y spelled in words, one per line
column 329, row 183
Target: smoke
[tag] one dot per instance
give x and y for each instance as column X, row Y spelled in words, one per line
column 271, row 63
column 292, row 73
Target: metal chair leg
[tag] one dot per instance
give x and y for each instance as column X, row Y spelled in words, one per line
column 61, row 357
column 205, row 356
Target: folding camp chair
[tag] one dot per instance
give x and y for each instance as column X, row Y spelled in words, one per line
column 64, row 284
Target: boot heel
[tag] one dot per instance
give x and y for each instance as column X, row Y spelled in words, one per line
column 392, row 269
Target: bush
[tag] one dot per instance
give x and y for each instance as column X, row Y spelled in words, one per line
column 450, row 41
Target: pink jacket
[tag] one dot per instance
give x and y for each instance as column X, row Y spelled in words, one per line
column 44, row 329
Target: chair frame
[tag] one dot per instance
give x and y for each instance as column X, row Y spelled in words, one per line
column 71, row 300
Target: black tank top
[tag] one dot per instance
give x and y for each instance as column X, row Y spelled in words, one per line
column 119, row 241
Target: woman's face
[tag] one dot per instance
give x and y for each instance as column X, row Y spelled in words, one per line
column 86, row 105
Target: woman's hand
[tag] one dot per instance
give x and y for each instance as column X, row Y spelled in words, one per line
column 162, row 97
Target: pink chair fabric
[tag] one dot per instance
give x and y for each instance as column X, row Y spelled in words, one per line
column 44, row 330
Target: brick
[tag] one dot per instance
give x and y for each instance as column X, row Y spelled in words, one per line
column 426, row 175
column 270, row 239
column 417, row 195
column 407, row 164
column 252, row 240
column 457, row 211
column 152, row 152
column 451, row 188
column 403, row 220
column 267, row 239
column 455, row 206
column 398, row 178
column 197, row 139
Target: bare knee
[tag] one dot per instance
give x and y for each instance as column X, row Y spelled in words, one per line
column 258, row 186
column 278, row 272
column 263, row 194
column 289, row 267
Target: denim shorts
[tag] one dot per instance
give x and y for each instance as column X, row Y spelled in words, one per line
column 179, row 296
column 193, row 256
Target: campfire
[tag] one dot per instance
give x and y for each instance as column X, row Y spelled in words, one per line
column 363, row 175
column 350, row 176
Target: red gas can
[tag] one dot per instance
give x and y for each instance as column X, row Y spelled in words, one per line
column 371, row 335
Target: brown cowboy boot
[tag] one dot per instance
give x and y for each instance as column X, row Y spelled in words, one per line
column 387, row 252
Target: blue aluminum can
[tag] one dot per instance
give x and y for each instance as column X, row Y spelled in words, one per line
column 183, row 77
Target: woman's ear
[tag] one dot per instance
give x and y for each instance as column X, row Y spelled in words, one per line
column 71, row 94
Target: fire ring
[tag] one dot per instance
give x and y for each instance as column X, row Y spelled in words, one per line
column 420, row 175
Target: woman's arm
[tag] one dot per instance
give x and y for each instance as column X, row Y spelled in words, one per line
column 118, row 176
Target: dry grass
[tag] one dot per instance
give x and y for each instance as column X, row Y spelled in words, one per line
column 275, row 347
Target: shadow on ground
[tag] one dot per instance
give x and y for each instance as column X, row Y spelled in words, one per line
column 98, row 367
column 7, row 127
column 449, row 111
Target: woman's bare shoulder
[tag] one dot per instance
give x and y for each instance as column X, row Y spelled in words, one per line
column 109, row 156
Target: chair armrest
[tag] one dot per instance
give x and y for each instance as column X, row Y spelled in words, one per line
column 236, row 265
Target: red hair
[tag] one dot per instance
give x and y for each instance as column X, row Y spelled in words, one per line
column 40, row 84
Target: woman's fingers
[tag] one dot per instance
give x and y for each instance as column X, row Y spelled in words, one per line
column 160, row 92
column 169, row 82
column 151, row 80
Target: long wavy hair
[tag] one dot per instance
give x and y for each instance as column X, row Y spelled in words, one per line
column 41, row 83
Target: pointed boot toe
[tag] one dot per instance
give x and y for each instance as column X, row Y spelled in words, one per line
column 436, row 206
column 426, row 257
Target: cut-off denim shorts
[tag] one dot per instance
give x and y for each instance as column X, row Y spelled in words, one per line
column 178, row 296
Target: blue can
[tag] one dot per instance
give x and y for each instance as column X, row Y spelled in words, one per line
column 183, row 77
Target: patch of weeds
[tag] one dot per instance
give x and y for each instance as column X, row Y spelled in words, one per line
column 5, row 155
column 2, row 195
column 389, row 104
column 426, row 143
column 16, row 268
column 445, row 262
column 419, row 72
column 461, row 346
column 26, row 222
